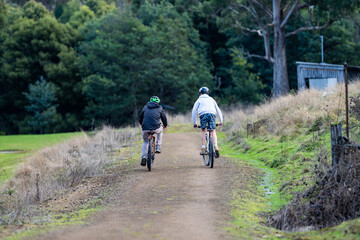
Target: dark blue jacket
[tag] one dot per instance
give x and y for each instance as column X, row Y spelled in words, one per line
column 150, row 116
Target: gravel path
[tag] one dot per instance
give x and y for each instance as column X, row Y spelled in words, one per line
column 179, row 199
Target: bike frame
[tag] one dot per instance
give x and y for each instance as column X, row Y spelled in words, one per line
column 151, row 151
column 210, row 147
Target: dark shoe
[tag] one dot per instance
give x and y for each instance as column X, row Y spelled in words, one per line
column 143, row 162
column 217, row 154
column 157, row 149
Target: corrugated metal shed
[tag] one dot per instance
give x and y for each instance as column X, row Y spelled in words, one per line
column 318, row 75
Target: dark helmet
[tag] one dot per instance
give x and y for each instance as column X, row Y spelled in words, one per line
column 204, row 90
column 155, row 99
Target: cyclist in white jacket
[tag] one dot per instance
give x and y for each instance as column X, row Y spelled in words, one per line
column 207, row 109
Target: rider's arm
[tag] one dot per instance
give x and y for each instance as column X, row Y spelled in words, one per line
column 218, row 111
column 194, row 111
column 163, row 118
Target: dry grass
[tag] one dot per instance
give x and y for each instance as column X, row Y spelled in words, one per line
column 332, row 199
column 179, row 119
column 290, row 114
column 56, row 169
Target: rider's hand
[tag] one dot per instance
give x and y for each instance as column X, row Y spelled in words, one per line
column 219, row 124
column 195, row 126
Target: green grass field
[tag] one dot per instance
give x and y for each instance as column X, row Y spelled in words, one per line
column 23, row 146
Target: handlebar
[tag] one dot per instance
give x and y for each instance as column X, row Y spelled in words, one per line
column 216, row 125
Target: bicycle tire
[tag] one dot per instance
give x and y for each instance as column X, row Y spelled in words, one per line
column 150, row 153
column 211, row 152
column 206, row 162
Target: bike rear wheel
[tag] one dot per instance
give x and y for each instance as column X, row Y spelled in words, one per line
column 211, row 152
column 206, row 157
column 151, row 153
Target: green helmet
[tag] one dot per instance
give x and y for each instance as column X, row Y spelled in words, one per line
column 155, row 99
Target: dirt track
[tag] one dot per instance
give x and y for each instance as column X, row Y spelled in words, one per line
column 179, row 199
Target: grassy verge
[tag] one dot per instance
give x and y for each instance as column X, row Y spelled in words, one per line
column 22, row 146
column 51, row 215
column 79, row 216
column 286, row 165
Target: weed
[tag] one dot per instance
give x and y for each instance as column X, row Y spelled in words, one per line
column 55, row 169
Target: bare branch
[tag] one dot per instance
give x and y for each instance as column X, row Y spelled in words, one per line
column 267, row 57
column 258, row 31
column 248, row 55
column 310, row 17
column 251, row 10
column 310, row 28
column 285, row 21
column 247, row 9
column 287, row 5
column 263, row 6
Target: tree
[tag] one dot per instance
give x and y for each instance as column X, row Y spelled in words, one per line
column 2, row 13
column 246, row 85
column 123, row 62
column 69, row 9
column 81, row 17
column 100, row 7
column 112, row 57
column 276, row 18
column 41, row 99
column 178, row 57
column 38, row 45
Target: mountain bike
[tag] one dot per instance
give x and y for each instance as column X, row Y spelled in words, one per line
column 209, row 143
column 151, row 151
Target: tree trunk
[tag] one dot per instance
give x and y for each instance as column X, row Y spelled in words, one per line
column 281, row 81
column 134, row 102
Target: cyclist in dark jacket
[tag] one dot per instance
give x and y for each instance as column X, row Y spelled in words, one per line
column 149, row 120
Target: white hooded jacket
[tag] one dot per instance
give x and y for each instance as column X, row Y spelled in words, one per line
column 206, row 104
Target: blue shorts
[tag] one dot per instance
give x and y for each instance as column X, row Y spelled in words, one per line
column 208, row 120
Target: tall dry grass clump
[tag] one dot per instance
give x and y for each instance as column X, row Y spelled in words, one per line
column 292, row 113
column 56, row 169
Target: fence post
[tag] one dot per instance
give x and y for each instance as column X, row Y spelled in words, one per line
column 249, row 128
column 336, row 137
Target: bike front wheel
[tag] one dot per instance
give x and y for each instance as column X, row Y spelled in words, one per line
column 151, row 153
column 211, row 153
column 206, row 157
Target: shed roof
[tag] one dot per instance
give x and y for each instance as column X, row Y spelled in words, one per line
column 320, row 65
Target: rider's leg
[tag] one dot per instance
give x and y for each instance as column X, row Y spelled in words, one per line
column 203, row 133
column 217, row 154
column 145, row 144
column 159, row 133
column 159, row 136
column 214, row 137
column 203, row 141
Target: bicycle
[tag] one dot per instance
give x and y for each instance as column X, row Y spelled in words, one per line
column 151, row 151
column 210, row 148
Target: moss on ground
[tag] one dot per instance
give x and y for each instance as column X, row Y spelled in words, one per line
column 287, row 165
column 80, row 216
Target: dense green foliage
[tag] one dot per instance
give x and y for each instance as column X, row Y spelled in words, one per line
column 106, row 60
